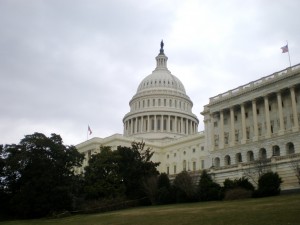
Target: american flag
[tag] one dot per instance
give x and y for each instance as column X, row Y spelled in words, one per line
column 285, row 49
column 89, row 130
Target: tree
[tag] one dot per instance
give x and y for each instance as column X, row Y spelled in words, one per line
column 102, row 177
column 208, row 190
column 38, row 175
column 135, row 167
column 185, row 188
column 164, row 190
column 256, row 169
column 237, row 189
column 268, row 185
column 295, row 166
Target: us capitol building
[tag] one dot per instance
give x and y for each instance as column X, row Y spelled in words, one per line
column 254, row 123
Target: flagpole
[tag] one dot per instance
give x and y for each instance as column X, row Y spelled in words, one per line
column 289, row 53
column 87, row 134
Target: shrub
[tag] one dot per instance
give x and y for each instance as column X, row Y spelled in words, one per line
column 268, row 185
column 237, row 193
column 164, row 193
column 184, row 187
column 208, row 190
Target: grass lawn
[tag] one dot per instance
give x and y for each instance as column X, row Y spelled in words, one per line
column 280, row 210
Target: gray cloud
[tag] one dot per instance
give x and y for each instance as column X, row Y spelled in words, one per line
column 66, row 64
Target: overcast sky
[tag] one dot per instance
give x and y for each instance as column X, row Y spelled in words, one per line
column 67, row 64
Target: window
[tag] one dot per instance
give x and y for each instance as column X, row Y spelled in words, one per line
column 238, row 157
column 168, row 170
column 202, row 148
column 158, row 102
column 216, row 162
column 202, row 164
column 174, row 154
column 276, row 150
column 167, row 156
column 227, row 160
column 184, row 153
column 184, row 165
column 257, row 111
column 165, row 102
column 194, row 150
column 194, row 166
column 174, row 169
column 215, row 124
column 153, row 102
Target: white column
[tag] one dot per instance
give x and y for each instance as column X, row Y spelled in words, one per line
column 221, row 134
column 169, row 124
column 280, row 113
column 255, row 126
column 142, row 124
column 136, row 124
column 175, row 124
column 131, row 126
column 186, row 126
column 267, row 117
column 181, row 126
column 155, row 123
column 148, row 123
column 232, row 130
column 244, row 136
column 294, row 108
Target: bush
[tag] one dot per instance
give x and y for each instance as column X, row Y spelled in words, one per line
column 184, row 187
column 208, row 190
column 268, row 185
column 237, row 193
column 164, row 193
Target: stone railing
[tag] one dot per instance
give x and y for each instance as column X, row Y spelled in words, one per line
column 253, row 84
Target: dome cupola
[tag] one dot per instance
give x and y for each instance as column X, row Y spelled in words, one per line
column 160, row 109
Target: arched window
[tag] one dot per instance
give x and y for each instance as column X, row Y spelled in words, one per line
column 262, row 153
column 250, row 156
column 184, row 165
column 276, row 150
column 290, row 149
column 238, row 158
column 227, row 160
column 217, row 162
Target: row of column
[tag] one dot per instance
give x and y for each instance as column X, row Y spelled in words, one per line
column 156, row 123
column 255, row 121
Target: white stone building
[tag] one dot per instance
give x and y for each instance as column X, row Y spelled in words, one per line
column 257, row 122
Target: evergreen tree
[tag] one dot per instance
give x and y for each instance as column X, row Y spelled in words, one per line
column 208, row 190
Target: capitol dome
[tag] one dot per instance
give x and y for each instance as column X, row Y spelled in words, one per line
column 160, row 109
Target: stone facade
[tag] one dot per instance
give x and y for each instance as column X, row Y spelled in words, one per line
column 244, row 127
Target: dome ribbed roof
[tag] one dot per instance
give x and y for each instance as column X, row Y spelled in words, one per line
column 161, row 79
